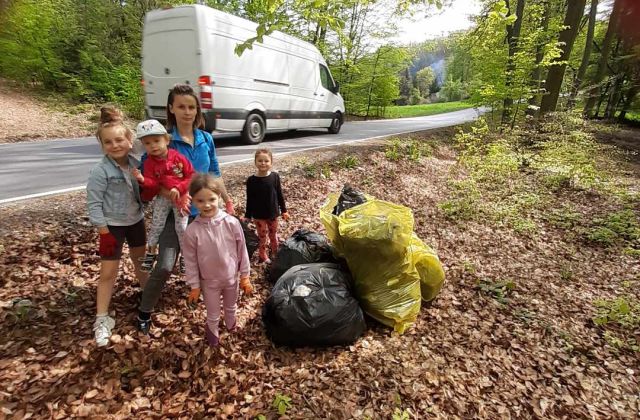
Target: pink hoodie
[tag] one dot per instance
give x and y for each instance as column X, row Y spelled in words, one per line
column 215, row 251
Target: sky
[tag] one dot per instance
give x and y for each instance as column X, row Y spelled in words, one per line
column 438, row 23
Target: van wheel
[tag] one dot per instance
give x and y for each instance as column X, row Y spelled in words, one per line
column 336, row 124
column 254, row 128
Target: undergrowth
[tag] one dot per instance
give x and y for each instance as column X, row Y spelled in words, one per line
column 525, row 178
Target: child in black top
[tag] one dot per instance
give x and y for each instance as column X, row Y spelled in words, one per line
column 265, row 202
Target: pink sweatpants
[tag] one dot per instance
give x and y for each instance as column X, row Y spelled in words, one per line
column 264, row 228
column 213, row 297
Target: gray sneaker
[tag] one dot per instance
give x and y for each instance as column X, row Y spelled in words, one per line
column 102, row 328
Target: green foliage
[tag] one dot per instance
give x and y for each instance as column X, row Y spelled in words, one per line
column 425, row 77
column 624, row 311
column 453, row 90
column 349, row 162
column 621, row 318
column 412, row 150
column 375, row 81
column 465, row 203
column 281, row 403
column 310, row 170
column 88, row 51
column 616, row 227
column 565, row 217
column 399, row 414
column 499, row 290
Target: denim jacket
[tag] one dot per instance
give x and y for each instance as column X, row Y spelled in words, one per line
column 110, row 193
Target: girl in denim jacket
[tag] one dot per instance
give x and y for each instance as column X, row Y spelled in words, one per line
column 115, row 209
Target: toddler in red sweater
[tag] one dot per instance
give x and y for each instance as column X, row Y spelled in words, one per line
column 168, row 169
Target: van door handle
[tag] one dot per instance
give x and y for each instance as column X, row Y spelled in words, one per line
column 322, row 94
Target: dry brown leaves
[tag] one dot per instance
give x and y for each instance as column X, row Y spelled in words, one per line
column 537, row 356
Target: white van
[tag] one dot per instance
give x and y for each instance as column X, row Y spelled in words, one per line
column 280, row 84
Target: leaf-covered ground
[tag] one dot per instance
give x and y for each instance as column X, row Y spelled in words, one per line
column 511, row 334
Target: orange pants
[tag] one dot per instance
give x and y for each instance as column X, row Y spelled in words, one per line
column 270, row 228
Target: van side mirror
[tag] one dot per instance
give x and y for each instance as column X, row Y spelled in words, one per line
column 336, row 88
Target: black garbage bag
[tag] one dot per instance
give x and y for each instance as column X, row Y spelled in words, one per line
column 303, row 247
column 349, row 197
column 250, row 238
column 312, row 305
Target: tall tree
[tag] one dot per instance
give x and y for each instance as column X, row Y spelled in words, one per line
column 513, row 36
column 536, row 74
column 605, row 49
column 586, row 54
column 575, row 10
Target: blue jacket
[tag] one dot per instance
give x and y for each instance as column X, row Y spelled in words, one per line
column 202, row 154
column 110, row 194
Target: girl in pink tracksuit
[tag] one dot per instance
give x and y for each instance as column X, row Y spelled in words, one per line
column 216, row 257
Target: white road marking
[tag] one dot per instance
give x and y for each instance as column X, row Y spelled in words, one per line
column 249, row 159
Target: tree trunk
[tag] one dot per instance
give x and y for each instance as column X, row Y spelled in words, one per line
column 594, row 92
column 513, row 34
column 536, row 74
column 575, row 10
column 626, row 104
column 585, row 55
column 614, row 99
column 373, row 78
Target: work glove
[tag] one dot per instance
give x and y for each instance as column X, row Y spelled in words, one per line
column 245, row 285
column 228, row 206
column 285, row 216
column 107, row 246
column 193, row 296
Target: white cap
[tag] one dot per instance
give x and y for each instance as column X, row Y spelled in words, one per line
column 150, row 128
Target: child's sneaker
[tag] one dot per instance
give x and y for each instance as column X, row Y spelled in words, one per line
column 147, row 262
column 183, row 267
column 102, row 328
column 143, row 325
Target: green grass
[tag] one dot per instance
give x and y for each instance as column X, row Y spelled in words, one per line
column 427, row 109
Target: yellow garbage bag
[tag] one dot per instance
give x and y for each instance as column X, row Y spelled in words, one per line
column 429, row 268
column 374, row 238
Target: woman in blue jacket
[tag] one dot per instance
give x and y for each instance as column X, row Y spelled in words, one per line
column 184, row 123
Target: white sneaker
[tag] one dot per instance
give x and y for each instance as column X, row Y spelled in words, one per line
column 102, row 328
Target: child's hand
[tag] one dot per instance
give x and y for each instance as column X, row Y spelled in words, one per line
column 174, row 195
column 193, row 296
column 185, row 205
column 285, row 216
column 135, row 172
column 228, row 206
column 245, row 285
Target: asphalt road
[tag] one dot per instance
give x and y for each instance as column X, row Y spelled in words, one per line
column 34, row 169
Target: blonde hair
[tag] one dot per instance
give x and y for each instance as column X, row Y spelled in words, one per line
column 204, row 181
column 110, row 116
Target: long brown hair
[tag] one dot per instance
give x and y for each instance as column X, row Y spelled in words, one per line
column 110, row 116
column 183, row 89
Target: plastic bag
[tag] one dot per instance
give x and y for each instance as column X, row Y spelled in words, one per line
column 428, row 266
column 250, row 238
column 374, row 238
column 349, row 197
column 312, row 305
column 303, row 247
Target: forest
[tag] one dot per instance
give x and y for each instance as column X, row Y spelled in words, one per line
column 520, row 56
column 533, row 210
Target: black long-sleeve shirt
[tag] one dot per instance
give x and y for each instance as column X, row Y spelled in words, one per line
column 264, row 197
